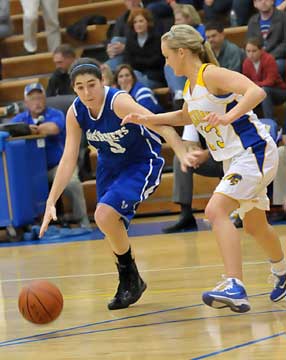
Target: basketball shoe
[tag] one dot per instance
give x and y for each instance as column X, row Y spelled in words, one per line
column 228, row 293
column 130, row 288
column 279, row 290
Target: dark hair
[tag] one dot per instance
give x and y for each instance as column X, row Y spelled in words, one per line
column 256, row 41
column 66, row 50
column 140, row 11
column 124, row 66
column 214, row 25
column 84, row 66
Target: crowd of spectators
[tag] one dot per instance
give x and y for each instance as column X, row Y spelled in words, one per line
column 134, row 62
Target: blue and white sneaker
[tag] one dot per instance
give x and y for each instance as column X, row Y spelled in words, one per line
column 279, row 290
column 229, row 293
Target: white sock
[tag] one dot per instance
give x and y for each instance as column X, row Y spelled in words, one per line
column 278, row 268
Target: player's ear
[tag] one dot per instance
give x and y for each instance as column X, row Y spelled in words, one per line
column 181, row 52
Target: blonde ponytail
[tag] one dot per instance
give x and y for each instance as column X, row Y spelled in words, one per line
column 186, row 37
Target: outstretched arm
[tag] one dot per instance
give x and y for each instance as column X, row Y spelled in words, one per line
column 173, row 118
column 65, row 168
column 124, row 105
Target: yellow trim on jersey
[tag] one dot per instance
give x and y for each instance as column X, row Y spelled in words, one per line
column 186, row 87
column 200, row 80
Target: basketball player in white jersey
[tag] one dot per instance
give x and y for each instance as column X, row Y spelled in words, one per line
column 219, row 103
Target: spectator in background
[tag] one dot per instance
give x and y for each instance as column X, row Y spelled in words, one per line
column 270, row 25
column 143, row 49
column 5, row 24
column 183, row 14
column 162, row 10
column 205, row 165
column 261, row 68
column 59, row 83
column 125, row 79
column 107, row 75
column 280, row 4
column 5, row 21
column 227, row 53
column 230, row 12
column 51, row 123
column 116, row 44
column 30, row 23
column 217, row 10
column 279, row 188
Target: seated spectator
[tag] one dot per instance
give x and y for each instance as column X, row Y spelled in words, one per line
column 280, row 5
column 229, row 12
column 30, row 23
column 116, row 43
column 270, row 24
column 107, row 75
column 261, row 68
column 163, row 9
column 51, row 123
column 227, row 53
column 183, row 14
column 217, row 10
column 183, row 181
column 125, row 79
column 187, row 14
column 59, row 83
column 143, row 49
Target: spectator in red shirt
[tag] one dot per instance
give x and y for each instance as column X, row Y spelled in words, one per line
column 261, row 68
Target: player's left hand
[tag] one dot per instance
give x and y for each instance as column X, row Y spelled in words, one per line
column 134, row 118
column 216, row 119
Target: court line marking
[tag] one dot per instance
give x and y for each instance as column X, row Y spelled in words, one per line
column 251, row 342
column 155, row 312
column 37, row 339
column 195, row 267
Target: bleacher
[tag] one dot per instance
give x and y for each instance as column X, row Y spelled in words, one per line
column 19, row 70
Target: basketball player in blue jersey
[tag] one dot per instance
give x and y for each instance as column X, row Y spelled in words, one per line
column 129, row 166
column 219, row 103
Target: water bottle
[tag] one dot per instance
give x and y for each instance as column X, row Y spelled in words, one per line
column 233, row 18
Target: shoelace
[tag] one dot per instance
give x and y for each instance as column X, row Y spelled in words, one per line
column 224, row 284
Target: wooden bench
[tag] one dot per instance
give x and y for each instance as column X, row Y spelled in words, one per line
column 236, row 35
column 13, row 45
column 29, row 65
column 161, row 201
column 13, row 90
column 69, row 15
column 16, row 7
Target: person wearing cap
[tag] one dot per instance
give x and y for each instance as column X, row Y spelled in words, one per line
column 50, row 122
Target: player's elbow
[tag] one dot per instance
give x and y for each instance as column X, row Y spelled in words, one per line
column 261, row 93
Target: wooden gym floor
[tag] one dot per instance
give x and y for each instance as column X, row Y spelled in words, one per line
column 169, row 322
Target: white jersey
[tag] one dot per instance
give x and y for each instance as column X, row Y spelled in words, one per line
column 224, row 142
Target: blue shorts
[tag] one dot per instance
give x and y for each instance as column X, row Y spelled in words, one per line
column 125, row 188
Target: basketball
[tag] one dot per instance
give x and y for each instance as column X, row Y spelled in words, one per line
column 40, row 302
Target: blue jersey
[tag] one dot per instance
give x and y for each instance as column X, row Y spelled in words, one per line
column 129, row 165
column 117, row 145
column 145, row 97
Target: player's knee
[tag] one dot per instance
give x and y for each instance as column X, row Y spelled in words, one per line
column 210, row 213
column 103, row 216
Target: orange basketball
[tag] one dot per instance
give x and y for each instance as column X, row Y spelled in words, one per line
column 40, row 302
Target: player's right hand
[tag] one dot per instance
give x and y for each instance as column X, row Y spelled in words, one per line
column 50, row 214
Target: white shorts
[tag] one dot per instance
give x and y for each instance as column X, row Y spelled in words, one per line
column 246, row 181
